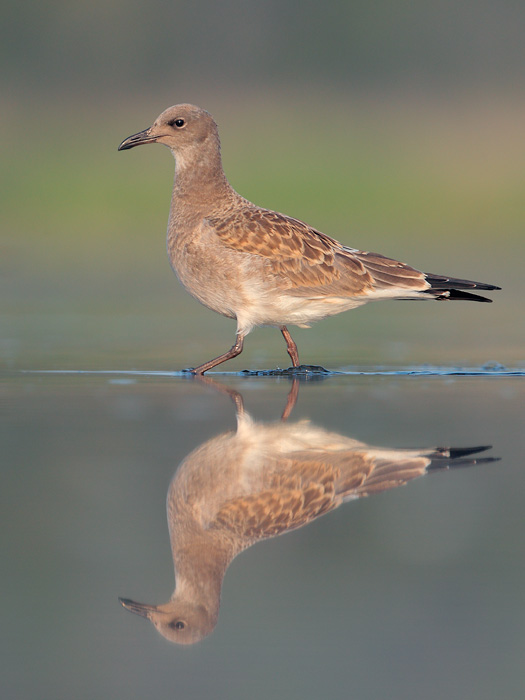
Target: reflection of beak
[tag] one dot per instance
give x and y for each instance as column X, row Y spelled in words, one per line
column 137, row 140
column 137, row 608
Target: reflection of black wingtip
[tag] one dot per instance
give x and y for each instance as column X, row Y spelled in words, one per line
column 455, row 457
column 456, row 452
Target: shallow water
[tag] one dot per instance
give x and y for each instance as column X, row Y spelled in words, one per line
column 415, row 592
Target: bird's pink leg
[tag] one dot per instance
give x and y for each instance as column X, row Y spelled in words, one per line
column 235, row 350
column 290, row 346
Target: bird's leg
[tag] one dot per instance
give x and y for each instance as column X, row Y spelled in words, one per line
column 235, row 350
column 290, row 346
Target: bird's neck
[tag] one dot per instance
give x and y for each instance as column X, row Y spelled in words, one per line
column 200, row 186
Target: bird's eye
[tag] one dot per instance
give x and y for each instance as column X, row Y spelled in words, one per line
column 179, row 123
column 179, row 625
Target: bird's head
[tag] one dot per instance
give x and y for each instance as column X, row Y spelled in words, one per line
column 182, row 128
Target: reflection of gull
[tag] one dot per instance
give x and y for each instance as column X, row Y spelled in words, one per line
column 256, row 482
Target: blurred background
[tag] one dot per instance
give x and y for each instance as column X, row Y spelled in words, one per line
column 395, row 128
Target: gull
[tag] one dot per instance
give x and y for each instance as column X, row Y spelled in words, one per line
column 260, row 267
column 263, row 480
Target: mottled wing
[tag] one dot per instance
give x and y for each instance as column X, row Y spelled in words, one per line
column 300, row 258
column 305, row 261
column 294, row 498
column 389, row 274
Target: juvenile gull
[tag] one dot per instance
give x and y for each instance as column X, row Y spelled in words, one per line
column 260, row 267
column 263, row 480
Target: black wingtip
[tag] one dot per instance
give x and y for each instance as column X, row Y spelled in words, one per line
column 455, row 295
column 451, row 288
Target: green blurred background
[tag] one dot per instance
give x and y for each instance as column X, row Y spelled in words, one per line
column 396, row 128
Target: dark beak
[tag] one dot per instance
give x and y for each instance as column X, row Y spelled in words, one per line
column 137, row 140
column 137, row 608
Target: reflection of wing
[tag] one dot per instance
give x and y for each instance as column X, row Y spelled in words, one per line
column 361, row 472
column 304, row 261
column 293, row 498
column 302, row 488
column 387, row 474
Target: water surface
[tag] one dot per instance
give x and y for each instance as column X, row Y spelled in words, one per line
column 415, row 592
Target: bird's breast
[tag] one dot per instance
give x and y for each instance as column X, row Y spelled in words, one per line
column 209, row 271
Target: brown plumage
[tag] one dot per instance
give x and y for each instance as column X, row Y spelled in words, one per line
column 256, row 265
column 304, row 261
column 260, row 481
